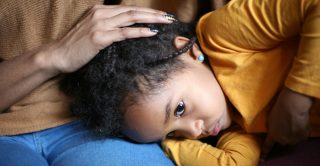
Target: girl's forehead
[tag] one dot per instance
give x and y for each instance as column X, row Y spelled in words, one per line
column 144, row 122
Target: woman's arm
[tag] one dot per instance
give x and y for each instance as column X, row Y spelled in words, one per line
column 101, row 26
column 234, row 148
column 20, row 75
column 288, row 121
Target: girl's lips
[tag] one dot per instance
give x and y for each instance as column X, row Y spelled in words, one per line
column 215, row 131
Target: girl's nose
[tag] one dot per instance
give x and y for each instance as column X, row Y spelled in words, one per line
column 191, row 130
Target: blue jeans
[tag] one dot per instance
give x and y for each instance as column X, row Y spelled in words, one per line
column 74, row 145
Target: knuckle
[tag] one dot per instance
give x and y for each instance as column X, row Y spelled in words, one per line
column 95, row 7
column 142, row 30
column 97, row 14
column 132, row 14
column 96, row 38
column 124, row 32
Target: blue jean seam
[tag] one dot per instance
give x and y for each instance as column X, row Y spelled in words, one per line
column 37, row 143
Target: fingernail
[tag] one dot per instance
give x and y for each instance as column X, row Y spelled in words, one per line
column 170, row 17
column 154, row 30
column 200, row 58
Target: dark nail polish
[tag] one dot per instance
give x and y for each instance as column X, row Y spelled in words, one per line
column 170, row 17
column 153, row 29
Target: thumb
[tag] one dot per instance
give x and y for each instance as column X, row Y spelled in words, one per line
column 267, row 146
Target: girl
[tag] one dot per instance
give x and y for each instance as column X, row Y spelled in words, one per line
column 153, row 88
column 262, row 57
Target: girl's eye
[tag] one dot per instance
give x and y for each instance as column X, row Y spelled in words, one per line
column 180, row 109
column 171, row 134
column 177, row 113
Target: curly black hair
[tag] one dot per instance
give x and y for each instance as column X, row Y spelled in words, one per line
column 121, row 73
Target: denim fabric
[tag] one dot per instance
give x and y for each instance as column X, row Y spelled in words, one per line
column 74, row 145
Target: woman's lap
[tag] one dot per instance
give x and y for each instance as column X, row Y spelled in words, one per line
column 73, row 144
column 15, row 154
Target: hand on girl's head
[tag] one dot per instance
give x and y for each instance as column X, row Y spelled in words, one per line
column 99, row 28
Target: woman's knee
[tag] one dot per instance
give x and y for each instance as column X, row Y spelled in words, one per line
column 113, row 152
column 15, row 154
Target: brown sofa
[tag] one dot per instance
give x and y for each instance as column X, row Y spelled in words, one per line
column 306, row 153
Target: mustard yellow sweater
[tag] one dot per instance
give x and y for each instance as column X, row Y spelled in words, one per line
column 256, row 47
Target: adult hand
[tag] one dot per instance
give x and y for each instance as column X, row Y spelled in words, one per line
column 100, row 27
column 288, row 120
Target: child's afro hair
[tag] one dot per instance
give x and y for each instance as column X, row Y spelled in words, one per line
column 105, row 88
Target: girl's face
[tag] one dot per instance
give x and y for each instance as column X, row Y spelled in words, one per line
column 191, row 105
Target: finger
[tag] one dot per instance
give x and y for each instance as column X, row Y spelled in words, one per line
column 124, row 8
column 107, row 11
column 267, row 146
column 119, row 34
column 132, row 17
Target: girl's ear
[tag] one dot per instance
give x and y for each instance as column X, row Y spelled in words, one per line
column 195, row 52
column 180, row 41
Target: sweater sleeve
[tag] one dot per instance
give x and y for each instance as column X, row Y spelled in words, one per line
column 251, row 26
column 233, row 148
column 304, row 75
column 248, row 26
